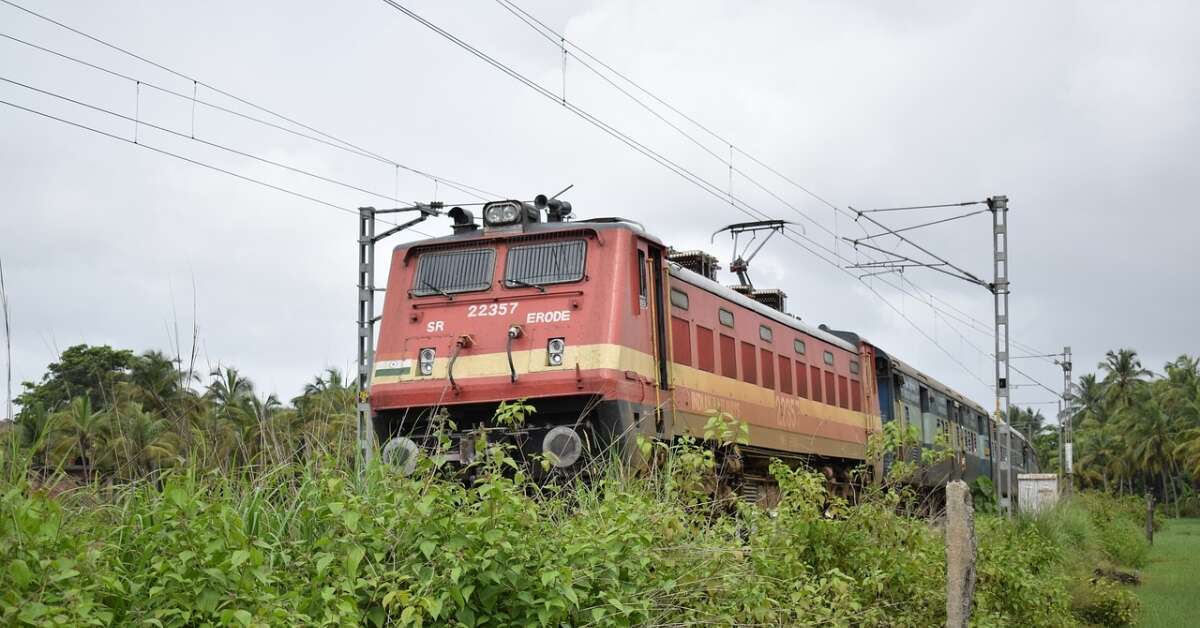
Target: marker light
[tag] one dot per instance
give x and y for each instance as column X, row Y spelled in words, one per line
column 425, row 361
column 554, row 351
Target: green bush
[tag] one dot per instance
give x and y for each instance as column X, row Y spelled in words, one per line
column 318, row 543
column 1104, row 603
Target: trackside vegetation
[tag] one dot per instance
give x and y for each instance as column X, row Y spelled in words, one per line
column 229, row 514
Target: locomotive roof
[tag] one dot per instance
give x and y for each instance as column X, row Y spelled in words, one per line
column 594, row 224
column 704, row 283
column 615, row 224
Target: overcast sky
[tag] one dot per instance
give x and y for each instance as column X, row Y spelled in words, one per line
column 1084, row 114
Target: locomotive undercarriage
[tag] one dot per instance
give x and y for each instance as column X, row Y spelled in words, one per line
column 568, row 433
column 755, row 484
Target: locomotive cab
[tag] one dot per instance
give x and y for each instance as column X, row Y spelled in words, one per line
column 560, row 313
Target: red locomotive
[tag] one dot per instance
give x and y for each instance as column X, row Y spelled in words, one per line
column 611, row 335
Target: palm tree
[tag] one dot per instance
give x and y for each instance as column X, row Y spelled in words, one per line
column 79, row 432
column 256, row 423
column 1188, row 451
column 1123, row 377
column 1089, row 402
column 1099, row 450
column 139, row 441
column 35, row 427
column 1154, row 450
column 228, row 387
column 157, row 381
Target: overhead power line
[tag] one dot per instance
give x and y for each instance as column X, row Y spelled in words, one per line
column 559, row 40
column 168, row 153
column 328, row 139
column 216, row 145
column 711, row 188
column 901, row 209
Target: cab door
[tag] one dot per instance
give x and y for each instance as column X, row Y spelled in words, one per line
column 654, row 313
column 660, row 311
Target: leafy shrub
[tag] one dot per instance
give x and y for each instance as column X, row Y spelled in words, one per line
column 1022, row 580
column 320, row 543
column 1120, row 527
column 1104, row 603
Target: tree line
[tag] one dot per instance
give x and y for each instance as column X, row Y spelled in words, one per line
column 100, row 412
column 104, row 413
column 1135, row 431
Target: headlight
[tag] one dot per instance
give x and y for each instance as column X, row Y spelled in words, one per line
column 562, row 446
column 402, row 454
column 425, row 361
column 554, row 351
column 501, row 213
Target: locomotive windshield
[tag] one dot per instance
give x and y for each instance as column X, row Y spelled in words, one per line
column 449, row 272
column 545, row 263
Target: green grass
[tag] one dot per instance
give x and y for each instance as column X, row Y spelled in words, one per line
column 1170, row 589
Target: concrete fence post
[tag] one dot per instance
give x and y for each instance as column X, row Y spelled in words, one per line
column 1150, row 518
column 960, row 554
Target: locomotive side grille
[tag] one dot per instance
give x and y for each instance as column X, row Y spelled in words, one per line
column 454, row 271
column 551, row 262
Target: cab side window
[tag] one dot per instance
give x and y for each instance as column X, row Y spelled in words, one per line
column 643, row 283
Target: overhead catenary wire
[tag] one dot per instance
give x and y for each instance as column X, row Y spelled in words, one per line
column 163, row 151
column 558, row 39
column 707, row 186
column 329, row 139
column 901, row 209
column 143, row 123
column 178, row 156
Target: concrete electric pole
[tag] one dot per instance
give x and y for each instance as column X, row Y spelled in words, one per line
column 1066, row 420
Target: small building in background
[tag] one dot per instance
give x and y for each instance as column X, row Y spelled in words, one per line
column 1037, row 492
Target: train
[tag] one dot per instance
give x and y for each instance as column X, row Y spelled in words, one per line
column 612, row 335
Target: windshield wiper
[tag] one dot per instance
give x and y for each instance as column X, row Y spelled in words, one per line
column 436, row 289
column 522, row 282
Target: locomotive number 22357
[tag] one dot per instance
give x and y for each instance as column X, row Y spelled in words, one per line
column 491, row 309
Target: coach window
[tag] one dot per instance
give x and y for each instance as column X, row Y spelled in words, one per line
column 829, row 358
column 854, row 367
column 765, row 333
column 799, row 346
column 679, row 298
column 725, row 316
